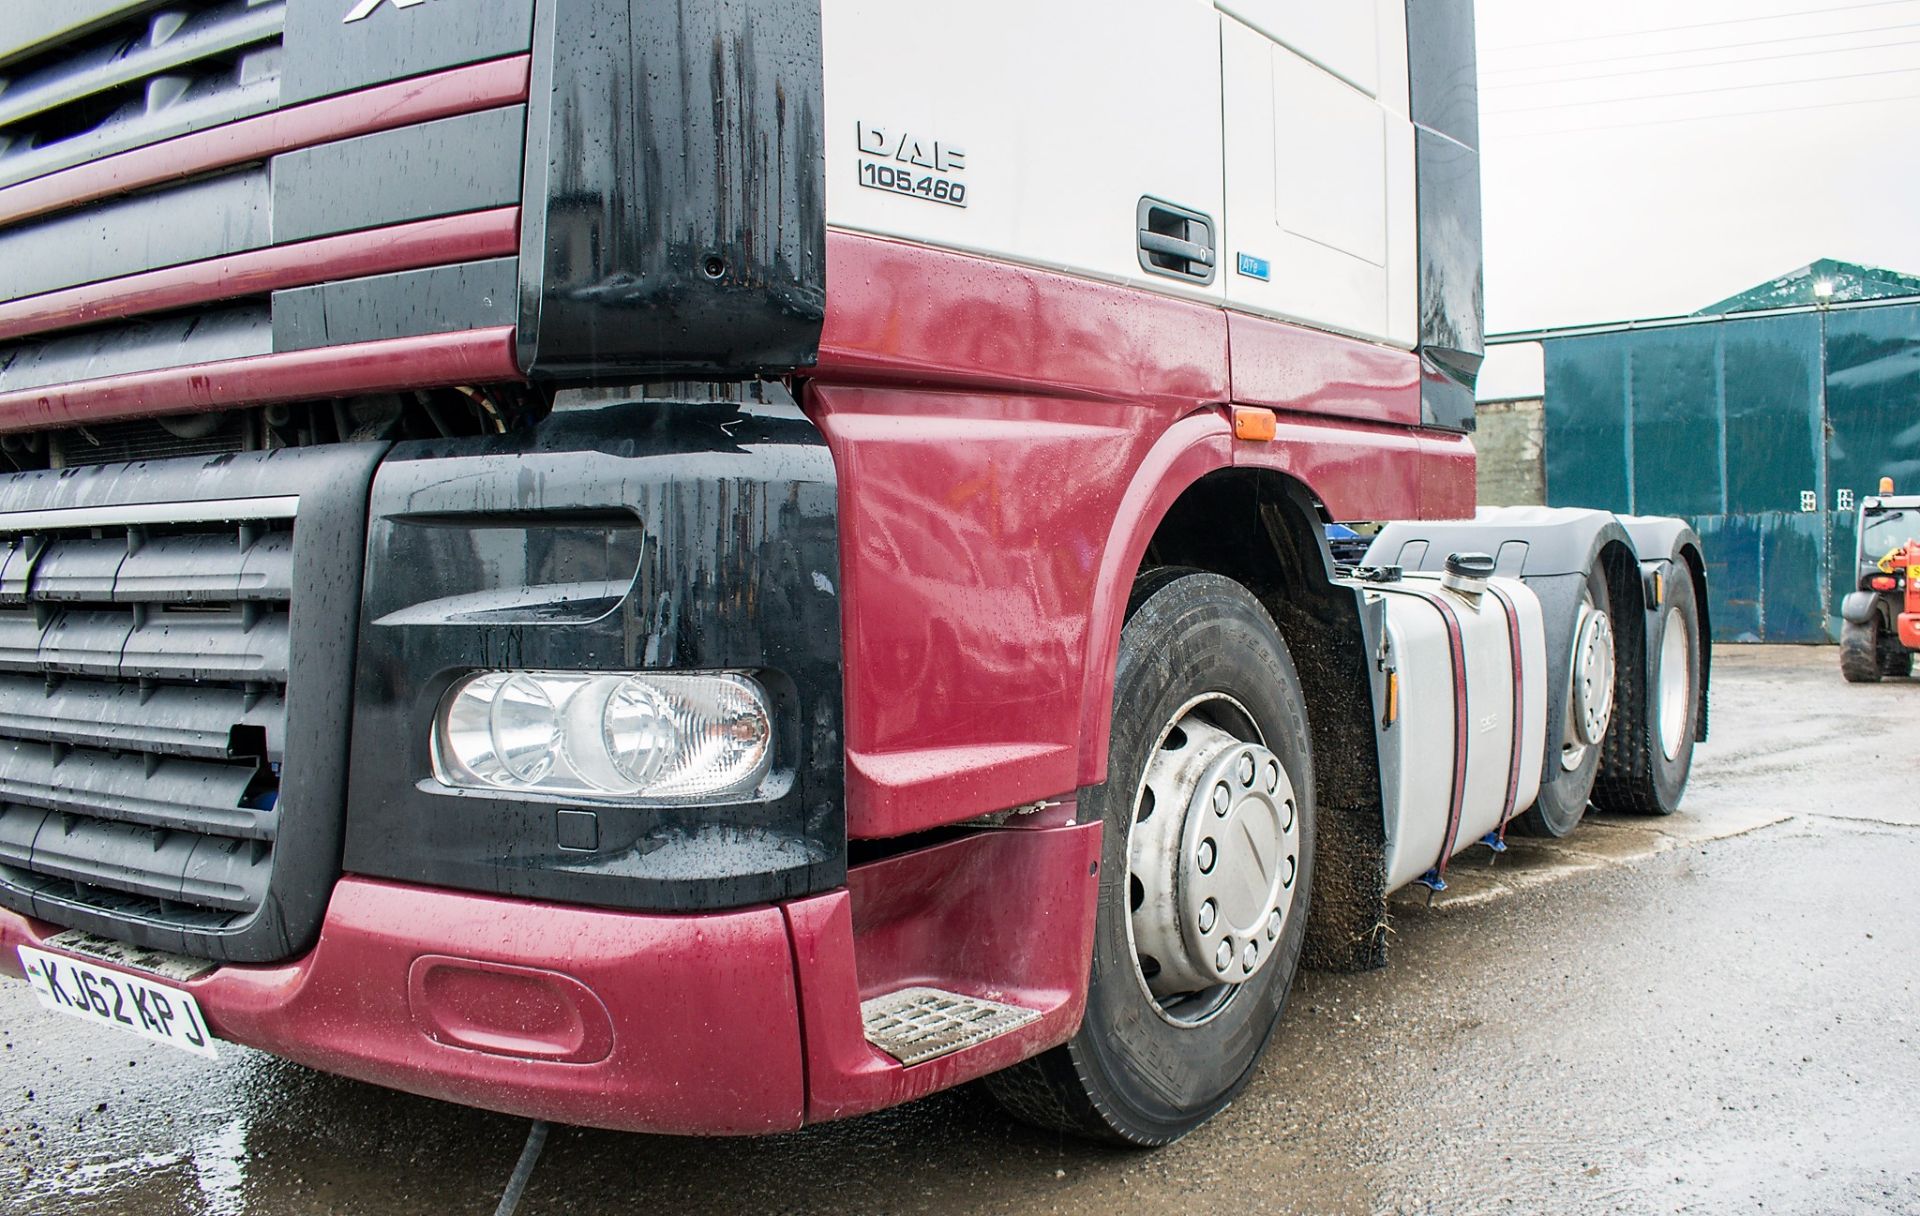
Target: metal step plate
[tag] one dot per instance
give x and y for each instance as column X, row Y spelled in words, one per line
column 915, row 1025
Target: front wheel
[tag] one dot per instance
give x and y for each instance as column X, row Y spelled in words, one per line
column 1860, row 651
column 1207, row 864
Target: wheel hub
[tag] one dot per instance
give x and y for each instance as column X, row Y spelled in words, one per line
column 1214, row 852
column 1676, row 684
column 1590, row 699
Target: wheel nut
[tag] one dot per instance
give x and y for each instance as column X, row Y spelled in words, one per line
column 1207, row 914
column 1223, row 957
column 1246, row 770
column 1273, row 924
column 1250, row 957
column 1273, row 776
column 1205, row 857
column 1222, row 799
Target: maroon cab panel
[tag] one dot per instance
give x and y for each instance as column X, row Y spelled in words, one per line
column 1006, row 440
column 1006, row 915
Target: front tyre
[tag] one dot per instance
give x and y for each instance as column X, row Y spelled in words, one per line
column 1860, row 651
column 1207, row 865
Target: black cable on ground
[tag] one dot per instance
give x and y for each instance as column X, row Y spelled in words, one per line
column 523, row 1170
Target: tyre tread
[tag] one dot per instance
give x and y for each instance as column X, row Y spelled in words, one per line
column 1860, row 654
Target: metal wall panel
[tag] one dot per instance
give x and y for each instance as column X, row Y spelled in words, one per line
column 1763, row 432
column 1873, row 397
column 1771, row 390
column 1793, row 583
column 1676, row 421
column 1588, row 459
column 1731, row 545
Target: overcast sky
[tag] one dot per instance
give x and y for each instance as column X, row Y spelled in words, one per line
column 1644, row 158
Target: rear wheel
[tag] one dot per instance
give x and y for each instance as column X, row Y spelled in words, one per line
column 1647, row 761
column 1207, row 862
column 1569, row 780
column 1860, row 651
column 1895, row 660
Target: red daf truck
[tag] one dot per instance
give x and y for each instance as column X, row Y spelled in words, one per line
column 709, row 567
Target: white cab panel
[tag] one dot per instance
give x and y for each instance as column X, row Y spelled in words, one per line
column 1330, row 161
column 1064, row 113
column 1341, row 36
column 1320, row 185
column 1420, row 746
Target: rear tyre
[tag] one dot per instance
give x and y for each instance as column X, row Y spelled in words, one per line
column 1646, row 762
column 1895, row 660
column 1592, row 682
column 1206, row 869
column 1860, row 652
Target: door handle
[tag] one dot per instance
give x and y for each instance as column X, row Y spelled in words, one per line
column 1174, row 241
column 1175, row 247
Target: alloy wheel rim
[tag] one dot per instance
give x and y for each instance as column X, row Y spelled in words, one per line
column 1213, row 856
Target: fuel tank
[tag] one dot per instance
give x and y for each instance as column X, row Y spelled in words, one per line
column 1463, row 750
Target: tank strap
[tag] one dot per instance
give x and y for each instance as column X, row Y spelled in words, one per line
column 1513, row 761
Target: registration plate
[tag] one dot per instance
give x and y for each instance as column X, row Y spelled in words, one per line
column 107, row 996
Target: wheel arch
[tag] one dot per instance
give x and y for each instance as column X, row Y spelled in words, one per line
column 1662, row 539
column 1263, row 529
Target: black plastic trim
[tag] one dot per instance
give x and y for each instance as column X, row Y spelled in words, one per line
column 674, row 220
column 203, row 219
column 465, row 163
column 440, row 299
column 521, row 551
column 1444, row 94
column 327, row 54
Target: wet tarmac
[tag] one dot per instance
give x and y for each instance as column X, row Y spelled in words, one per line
column 1718, row 1012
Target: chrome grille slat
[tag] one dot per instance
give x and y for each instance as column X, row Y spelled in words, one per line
column 144, row 655
column 166, row 720
column 77, row 642
column 238, row 646
column 231, row 646
column 186, row 795
column 166, row 867
column 204, row 568
column 79, row 570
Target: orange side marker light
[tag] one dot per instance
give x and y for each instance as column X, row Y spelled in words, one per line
column 1252, row 422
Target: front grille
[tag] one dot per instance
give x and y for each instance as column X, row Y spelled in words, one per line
column 143, row 680
column 149, row 439
column 163, row 70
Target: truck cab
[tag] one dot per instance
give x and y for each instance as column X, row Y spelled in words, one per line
column 712, row 567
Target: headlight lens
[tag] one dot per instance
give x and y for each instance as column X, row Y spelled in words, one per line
column 585, row 734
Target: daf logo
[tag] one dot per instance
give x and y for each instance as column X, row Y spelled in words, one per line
column 365, row 8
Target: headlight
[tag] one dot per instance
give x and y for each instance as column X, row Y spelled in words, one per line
column 587, row 734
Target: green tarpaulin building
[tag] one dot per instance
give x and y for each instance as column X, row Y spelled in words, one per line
column 1762, row 419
